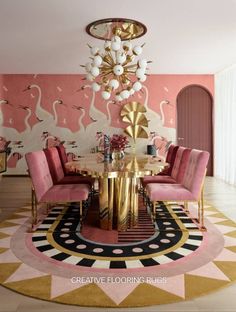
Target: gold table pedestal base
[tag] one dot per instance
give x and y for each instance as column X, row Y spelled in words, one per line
column 118, row 202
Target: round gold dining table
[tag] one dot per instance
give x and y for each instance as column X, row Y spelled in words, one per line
column 118, row 185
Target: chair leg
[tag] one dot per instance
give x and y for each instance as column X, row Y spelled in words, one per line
column 33, row 208
column 154, row 210
column 186, row 206
column 50, row 206
column 154, row 214
column 144, row 194
column 81, row 210
column 202, row 227
column 199, row 211
column 81, row 214
column 92, row 192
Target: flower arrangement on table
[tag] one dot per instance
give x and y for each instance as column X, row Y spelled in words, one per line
column 117, row 145
column 119, row 142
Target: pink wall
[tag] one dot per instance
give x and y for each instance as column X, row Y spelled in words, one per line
column 40, row 93
column 168, row 86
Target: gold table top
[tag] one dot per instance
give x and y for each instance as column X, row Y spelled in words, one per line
column 131, row 166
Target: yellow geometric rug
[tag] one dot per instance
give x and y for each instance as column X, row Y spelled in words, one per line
column 179, row 262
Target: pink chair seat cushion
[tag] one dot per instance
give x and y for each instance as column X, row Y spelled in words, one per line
column 157, row 179
column 165, row 192
column 76, row 180
column 66, row 193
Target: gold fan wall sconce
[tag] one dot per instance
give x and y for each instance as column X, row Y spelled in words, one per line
column 134, row 114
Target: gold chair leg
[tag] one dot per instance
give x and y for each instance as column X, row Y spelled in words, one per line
column 186, row 206
column 154, row 210
column 202, row 226
column 48, row 208
column 81, row 214
column 154, row 214
column 199, row 211
column 33, row 208
column 143, row 195
column 81, row 209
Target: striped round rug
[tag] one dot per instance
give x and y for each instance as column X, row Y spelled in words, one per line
column 171, row 263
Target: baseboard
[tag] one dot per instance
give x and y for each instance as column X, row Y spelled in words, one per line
column 16, row 175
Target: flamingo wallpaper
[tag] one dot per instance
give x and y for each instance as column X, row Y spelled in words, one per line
column 38, row 111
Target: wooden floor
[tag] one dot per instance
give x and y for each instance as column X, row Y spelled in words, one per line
column 15, row 192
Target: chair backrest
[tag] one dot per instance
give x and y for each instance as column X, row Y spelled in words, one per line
column 170, row 159
column 180, row 164
column 63, row 156
column 54, row 164
column 195, row 171
column 169, row 153
column 39, row 173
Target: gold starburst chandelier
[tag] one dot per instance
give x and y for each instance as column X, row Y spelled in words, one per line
column 116, row 70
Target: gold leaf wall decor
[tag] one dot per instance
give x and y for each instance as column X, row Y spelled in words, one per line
column 136, row 131
column 132, row 107
column 136, row 118
column 134, row 114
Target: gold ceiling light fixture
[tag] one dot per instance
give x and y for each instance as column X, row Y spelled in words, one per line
column 116, row 70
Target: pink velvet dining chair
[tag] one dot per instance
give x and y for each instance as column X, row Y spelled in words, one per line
column 170, row 159
column 177, row 173
column 63, row 157
column 43, row 189
column 57, row 172
column 191, row 189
